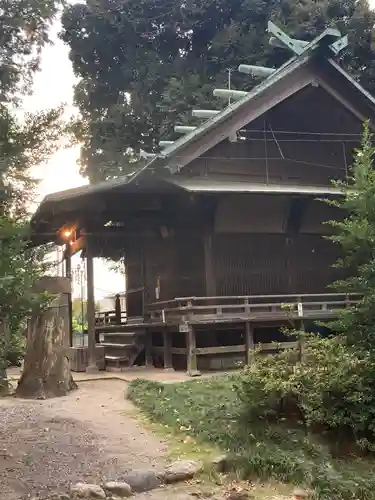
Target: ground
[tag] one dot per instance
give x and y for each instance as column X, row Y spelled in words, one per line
column 91, row 435
column 85, row 436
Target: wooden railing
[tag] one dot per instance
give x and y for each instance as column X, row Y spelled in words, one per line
column 232, row 349
column 103, row 318
column 252, row 307
column 118, row 316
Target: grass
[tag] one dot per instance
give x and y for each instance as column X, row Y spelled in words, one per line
column 180, row 446
column 209, row 412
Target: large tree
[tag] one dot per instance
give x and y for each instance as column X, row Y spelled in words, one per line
column 26, row 140
column 24, row 27
column 143, row 64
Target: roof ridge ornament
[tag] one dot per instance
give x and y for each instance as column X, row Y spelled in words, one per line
column 331, row 38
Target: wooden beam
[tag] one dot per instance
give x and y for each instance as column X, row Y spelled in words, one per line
column 68, row 274
column 275, row 346
column 226, row 349
column 192, row 367
column 167, row 350
column 92, row 366
column 249, row 341
column 296, row 212
column 77, row 245
column 175, row 350
column 326, row 80
column 301, row 341
column 148, row 350
column 334, row 93
column 118, row 309
column 209, row 264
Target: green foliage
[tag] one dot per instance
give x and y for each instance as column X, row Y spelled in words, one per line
column 16, row 347
column 77, row 315
column 356, row 236
column 330, row 391
column 20, row 267
column 143, row 65
column 26, row 140
column 23, row 32
column 216, row 411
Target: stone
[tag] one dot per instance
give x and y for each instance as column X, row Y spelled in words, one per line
column 238, row 495
column 142, row 480
column 5, row 454
column 118, row 489
column 89, row 491
column 300, row 494
column 182, row 470
column 221, row 463
column 60, row 496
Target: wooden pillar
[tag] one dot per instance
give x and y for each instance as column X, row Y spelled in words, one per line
column 249, row 341
column 301, row 341
column 68, row 274
column 92, row 366
column 192, row 367
column 167, row 337
column 209, row 265
column 118, row 309
column 148, row 350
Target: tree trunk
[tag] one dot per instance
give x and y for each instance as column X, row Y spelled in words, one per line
column 46, row 372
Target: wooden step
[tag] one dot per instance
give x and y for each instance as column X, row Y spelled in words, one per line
column 117, row 346
column 117, row 362
column 116, row 358
column 120, row 338
column 121, row 334
column 124, row 328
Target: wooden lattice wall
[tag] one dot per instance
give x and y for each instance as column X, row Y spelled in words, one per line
column 274, row 264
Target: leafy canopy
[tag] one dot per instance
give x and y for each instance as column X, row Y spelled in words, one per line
column 25, row 141
column 144, row 64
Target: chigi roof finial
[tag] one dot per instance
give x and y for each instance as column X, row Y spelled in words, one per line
column 330, row 42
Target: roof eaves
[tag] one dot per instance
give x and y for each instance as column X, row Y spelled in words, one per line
column 352, row 81
column 212, row 186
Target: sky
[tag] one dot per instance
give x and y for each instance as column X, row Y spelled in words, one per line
column 53, row 85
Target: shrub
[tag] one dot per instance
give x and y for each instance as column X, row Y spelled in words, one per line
column 330, row 391
column 210, row 411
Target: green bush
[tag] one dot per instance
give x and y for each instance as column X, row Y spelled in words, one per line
column 331, row 391
column 211, row 411
column 16, row 350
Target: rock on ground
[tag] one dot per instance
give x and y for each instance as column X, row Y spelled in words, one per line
column 182, row 470
column 119, row 489
column 89, row 491
column 142, row 480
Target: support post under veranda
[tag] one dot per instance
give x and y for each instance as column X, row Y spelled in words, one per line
column 167, row 349
column 249, row 342
column 149, row 362
column 91, row 337
column 191, row 341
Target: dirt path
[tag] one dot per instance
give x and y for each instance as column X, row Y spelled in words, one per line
column 86, row 436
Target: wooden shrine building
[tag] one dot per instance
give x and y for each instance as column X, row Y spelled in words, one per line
column 224, row 226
